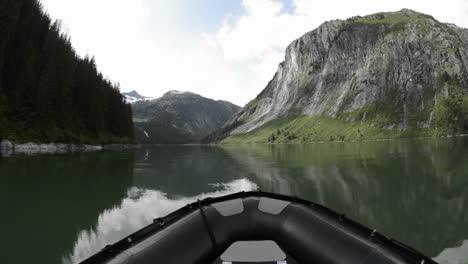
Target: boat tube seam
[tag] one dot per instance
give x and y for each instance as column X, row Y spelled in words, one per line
column 207, row 225
column 371, row 253
column 339, row 227
column 148, row 241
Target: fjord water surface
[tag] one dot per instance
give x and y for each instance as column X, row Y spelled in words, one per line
column 63, row 208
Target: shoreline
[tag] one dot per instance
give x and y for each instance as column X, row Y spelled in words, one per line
column 337, row 141
column 9, row 148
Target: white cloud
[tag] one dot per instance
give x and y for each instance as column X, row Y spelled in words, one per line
column 254, row 44
column 144, row 49
column 117, row 33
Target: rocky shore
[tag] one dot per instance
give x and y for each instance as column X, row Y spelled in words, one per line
column 8, row 148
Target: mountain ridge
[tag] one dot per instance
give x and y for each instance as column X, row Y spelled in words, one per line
column 179, row 117
column 397, row 73
column 133, row 97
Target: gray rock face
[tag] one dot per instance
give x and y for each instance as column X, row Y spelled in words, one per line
column 8, row 148
column 403, row 61
column 6, row 145
column 52, row 148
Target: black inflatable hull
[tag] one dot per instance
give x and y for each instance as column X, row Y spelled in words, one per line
column 307, row 232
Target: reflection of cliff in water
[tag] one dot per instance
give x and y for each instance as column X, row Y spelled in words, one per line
column 53, row 197
column 183, row 170
column 414, row 191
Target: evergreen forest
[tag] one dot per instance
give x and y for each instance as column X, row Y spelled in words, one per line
column 48, row 93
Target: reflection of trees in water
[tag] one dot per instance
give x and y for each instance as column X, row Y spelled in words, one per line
column 412, row 190
column 50, row 198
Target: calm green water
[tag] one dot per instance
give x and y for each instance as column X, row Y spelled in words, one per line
column 60, row 209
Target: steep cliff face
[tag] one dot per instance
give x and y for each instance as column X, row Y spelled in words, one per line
column 179, row 117
column 395, row 71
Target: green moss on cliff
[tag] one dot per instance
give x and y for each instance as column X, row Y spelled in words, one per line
column 389, row 18
column 248, row 119
column 381, row 114
column 451, row 113
column 325, row 129
column 373, row 121
column 465, row 112
column 395, row 23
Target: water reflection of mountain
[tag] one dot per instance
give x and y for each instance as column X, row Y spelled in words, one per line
column 415, row 191
column 46, row 200
column 184, row 170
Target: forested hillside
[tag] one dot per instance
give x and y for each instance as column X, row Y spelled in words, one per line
column 47, row 92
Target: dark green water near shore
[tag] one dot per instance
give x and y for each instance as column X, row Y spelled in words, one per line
column 62, row 208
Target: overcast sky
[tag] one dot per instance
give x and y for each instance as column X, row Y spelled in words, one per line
column 221, row 49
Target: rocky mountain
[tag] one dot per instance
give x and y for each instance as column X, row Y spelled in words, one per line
column 386, row 75
column 134, row 96
column 179, row 117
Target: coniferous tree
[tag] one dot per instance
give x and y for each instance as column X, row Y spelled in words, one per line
column 47, row 92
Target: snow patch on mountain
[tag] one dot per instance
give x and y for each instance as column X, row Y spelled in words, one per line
column 133, row 97
column 176, row 92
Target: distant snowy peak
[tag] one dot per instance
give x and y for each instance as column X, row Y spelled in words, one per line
column 175, row 92
column 134, row 96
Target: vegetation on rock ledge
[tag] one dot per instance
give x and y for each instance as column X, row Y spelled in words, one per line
column 453, row 112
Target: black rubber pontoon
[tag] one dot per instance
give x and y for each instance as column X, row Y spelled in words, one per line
column 256, row 227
